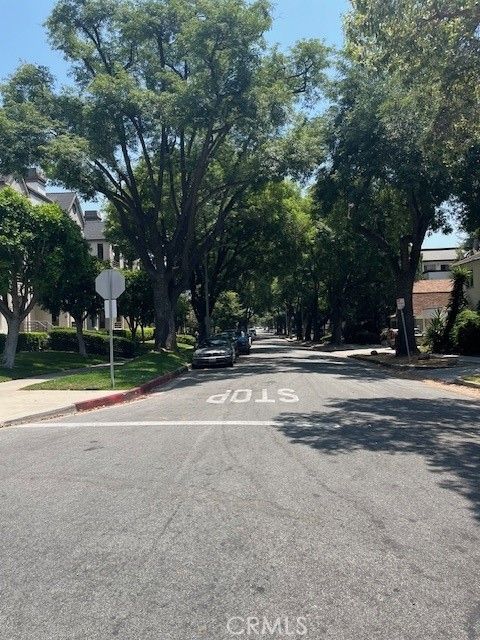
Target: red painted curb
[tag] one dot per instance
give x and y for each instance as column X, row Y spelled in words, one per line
column 126, row 396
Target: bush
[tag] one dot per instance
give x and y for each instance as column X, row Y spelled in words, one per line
column 34, row 341
column 435, row 335
column 95, row 343
column 466, row 333
column 186, row 339
column 126, row 333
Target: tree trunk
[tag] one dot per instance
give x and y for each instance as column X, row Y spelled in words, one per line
column 11, row 342
column 82, row 350
column 337, row 322
column 405, row 283
column 165, row 331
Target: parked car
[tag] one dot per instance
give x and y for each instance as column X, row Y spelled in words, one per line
column 214, row 351
column 243, row 342
column 230, row 337
column 252, row 333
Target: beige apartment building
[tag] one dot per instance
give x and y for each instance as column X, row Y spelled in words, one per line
column 472, row 263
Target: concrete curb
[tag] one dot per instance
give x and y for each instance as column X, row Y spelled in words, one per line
column 54, row 413
column 404, row 367
column 103, row 401
column 467, row 383
column 131, row 394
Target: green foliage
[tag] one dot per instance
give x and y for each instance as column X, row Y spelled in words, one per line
column 176, row 113
column 466, row 333
column 136, row 302
column 73, row 270
column 228, row 312
column 96, row 343
column 457, row 302
column 34, row 341
column 186, row 339
column 435, row 334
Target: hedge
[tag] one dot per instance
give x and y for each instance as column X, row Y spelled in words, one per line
column 186, row 339
column 34, row 341
column 466, row 333
column 96, row 343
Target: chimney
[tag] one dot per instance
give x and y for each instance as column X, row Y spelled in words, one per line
column 36, row 180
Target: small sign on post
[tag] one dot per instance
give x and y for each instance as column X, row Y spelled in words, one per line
column 110, row 284
column 401, row 307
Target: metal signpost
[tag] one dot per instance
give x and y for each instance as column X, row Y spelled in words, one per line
column 110, row 284
column 401, row 307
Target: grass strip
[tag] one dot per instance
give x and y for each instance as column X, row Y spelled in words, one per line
column 36, row 363
column 130, row 375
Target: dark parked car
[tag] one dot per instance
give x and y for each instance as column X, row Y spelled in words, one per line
column 244, row 342
column 214, row 351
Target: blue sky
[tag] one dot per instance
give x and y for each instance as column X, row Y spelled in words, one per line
column 25, row 39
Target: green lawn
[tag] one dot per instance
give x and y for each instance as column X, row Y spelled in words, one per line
column 132, row 374
column 28, row 364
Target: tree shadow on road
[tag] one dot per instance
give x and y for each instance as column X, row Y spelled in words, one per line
column 444, row 431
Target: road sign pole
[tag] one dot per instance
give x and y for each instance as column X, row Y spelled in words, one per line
column 112, row 365
column 110, row 284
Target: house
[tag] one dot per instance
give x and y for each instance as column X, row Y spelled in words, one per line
column 33, row 186
column 429, row 296
column 437, row 263
column 472, row 263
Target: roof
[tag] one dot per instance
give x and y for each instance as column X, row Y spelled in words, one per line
column 64, row 199
column 433, row 286
column 429, row 295
column 472, row 258
column 436, row 255
column 94, row 230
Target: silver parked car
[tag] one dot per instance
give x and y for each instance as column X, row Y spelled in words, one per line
column 214, row 352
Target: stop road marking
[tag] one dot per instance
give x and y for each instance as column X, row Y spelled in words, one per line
column 243, row 396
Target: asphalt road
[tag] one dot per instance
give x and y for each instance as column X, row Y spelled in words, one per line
column 296, row 495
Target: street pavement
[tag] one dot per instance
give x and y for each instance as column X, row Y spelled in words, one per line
column 296, row 495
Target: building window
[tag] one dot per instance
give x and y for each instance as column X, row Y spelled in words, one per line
column 100, row 250
column 445, row 267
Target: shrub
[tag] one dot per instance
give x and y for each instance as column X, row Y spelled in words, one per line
column 96, row 343
column 186, row 339
column 435, row 335
column 34, row 341
column 466, row 333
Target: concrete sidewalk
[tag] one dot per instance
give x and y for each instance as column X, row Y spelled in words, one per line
column 16, row 403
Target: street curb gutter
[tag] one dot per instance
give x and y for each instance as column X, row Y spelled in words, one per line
column 404, row 367
column 103, row 401
column 54, row 413
column 131, row 394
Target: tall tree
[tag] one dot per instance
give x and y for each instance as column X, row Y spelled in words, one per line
column 176, row 107
column 73, row 270
column 385, row 166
